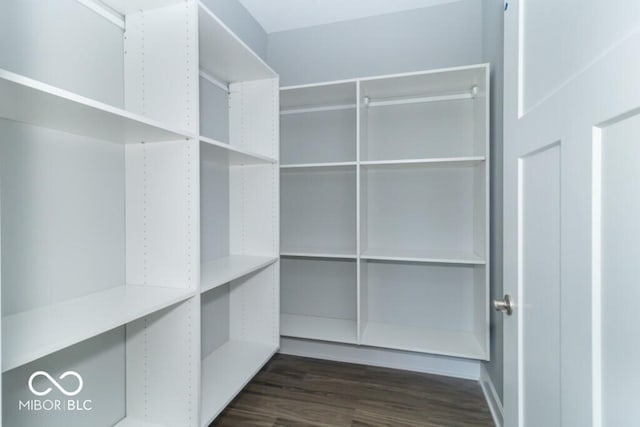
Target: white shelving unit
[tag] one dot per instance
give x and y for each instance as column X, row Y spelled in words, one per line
column 417, row 193
column 239, row 210
column 128, row 225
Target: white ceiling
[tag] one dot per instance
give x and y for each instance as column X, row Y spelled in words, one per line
column 281, row 15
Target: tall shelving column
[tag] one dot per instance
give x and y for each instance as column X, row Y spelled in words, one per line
column 239, row 191
column 319, row 227
column 424, row 217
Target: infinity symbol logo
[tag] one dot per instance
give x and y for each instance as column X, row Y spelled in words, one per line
column 55, row 383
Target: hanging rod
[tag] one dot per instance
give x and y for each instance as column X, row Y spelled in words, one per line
column 216, row 82
column 369, row 102
column 318, row 109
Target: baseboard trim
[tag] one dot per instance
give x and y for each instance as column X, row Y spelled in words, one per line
column 417, row 362
column 491, row 396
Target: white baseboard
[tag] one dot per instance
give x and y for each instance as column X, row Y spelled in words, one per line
column 438, row 365
column 491, row 396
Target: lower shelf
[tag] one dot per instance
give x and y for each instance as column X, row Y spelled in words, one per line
column 427, row 256
column 227, row 370
column 318, row 328
column 424, row 340
column 29, row 335
column 133, row 422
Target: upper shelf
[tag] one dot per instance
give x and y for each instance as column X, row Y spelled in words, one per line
column 26, row 100
column 29, row 335
column 223, row 270
column 223, row 55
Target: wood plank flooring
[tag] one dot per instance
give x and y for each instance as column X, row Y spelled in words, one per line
column 294, row 392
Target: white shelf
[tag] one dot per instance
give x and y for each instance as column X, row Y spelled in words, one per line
column 223, row 55
column 32, row 334
column 318, row 328
column 29, row 101
column 133, row 422
column 426, row 340
column 318, row 165
column 126, row 7
column 223, row 270
column 432, row 162
column 432, row 256
column 226, row 371
column 327, row 252
column 237, row 156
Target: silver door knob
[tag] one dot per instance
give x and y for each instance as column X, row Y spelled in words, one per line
column 504, row 305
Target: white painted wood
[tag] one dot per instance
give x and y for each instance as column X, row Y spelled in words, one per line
column 163, row 39
column 156, row 370
column 222, row 53
column 425, row 340
column 226, row 371
column 434, row 162
column 318, row 109
column 556, row 121
column 35, row 333
column 387, row 358
column 429, row 256
column 317, row 165
column 423, row 307
column 126, row 7
column 319, row 210
column 433, row 208
column 105, row 12
column 252, row 108
column 30, row 101
column 162, row 238
column 235, row 156
column 419, row 99
column 338, row 253
column 223, row 270
column 421, row 147
column 132, row 422
column 491, row 396
column 318, row 328
column 616, row 205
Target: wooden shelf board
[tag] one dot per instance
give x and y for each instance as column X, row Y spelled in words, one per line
column 236, row 156
column 126, row 7
column 223, row 55
column 318, row 165
column 327, row 252
column 227, row 370
column 32, row 334
column 29, row 101
column 428, row 162
column 223, row 270
column 318, row 328
column 430, row 256
column 134, row 422
column 424, row 340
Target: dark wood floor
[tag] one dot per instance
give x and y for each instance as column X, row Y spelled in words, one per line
column 294, row 391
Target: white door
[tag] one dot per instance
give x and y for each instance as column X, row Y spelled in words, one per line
column 572, row 213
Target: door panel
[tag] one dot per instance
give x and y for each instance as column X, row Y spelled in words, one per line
column 618, row 151
column 539, row 287
column 571, row 346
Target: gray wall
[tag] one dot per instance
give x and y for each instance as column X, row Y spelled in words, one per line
column 241, row 22
column 492, row 47
column 433, row 37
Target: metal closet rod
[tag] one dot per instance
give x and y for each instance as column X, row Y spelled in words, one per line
column 371, row 102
